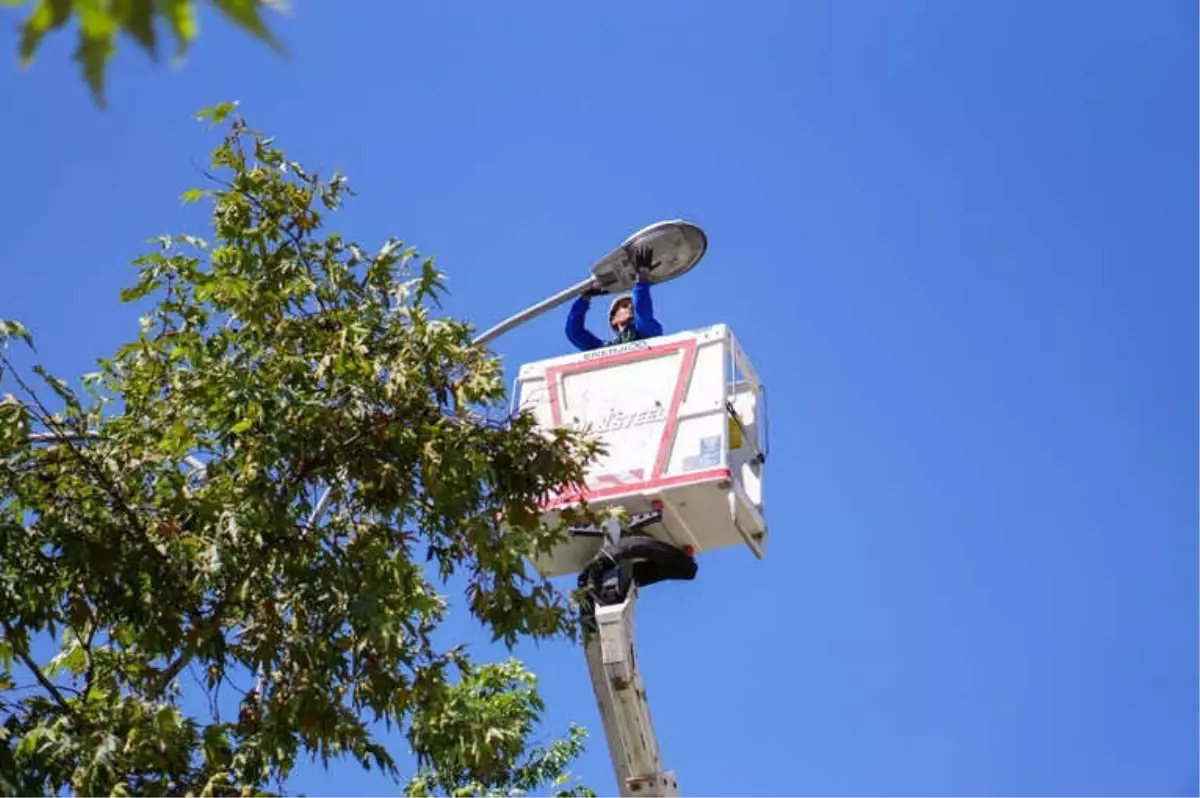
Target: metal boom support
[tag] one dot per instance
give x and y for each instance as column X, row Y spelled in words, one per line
column 621, row 696
column 628, row 558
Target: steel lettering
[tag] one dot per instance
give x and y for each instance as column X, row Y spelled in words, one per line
column 615, row 420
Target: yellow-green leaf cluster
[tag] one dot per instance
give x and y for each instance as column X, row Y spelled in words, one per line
column 101, row 22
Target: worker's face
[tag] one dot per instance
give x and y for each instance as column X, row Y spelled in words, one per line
column 623, row 315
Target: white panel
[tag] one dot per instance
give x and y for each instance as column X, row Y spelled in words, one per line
column 625, row 406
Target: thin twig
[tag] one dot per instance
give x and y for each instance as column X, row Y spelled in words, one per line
column 28, row 661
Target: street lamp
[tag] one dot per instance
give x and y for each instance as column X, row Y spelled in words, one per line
column 677, row 246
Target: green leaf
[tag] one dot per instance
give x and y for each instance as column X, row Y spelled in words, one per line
column 142, row 289
column 97, row 35
column 217, row 114
column 139, row 23
column 32, row 742
column 71, row 659
column 245, row 13
column 14, row 329
column 181, row 14
column 193, row 195
column 47, row 16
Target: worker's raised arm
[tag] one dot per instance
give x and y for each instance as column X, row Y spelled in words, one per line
column 643, row 311
column 577, row 334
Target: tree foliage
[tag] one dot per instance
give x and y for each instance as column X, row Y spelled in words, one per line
column 159, row 523
column 101, row 22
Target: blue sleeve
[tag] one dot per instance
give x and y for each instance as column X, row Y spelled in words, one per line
column 577, row 334
column 643, row 311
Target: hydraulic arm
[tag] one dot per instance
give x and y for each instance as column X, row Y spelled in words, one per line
column 627, row 560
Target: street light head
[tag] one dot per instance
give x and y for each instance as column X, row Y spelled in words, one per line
column 677, row 247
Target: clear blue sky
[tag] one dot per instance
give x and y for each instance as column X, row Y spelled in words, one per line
column 958, row 239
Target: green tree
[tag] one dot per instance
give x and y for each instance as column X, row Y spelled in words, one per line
column 100, row 22
column 160, row 522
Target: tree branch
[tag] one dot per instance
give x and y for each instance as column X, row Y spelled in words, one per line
column 175, row 668
column 172, row 672
column 90, row 676
column 43, row 680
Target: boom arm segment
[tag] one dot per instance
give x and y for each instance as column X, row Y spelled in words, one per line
column 628, row 559
column 624, row 710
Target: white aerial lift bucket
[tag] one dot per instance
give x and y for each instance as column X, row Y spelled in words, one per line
column 683, row 420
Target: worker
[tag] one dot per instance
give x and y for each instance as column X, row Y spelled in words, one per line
column 631, row 317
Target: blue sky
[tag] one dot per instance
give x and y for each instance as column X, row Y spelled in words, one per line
column 959, row 242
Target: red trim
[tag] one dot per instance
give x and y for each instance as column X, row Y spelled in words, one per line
column 681, row 385
column 688, row 361
column 710, row 475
